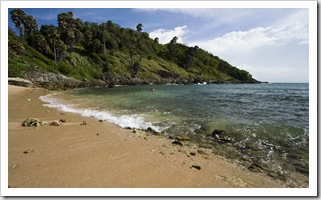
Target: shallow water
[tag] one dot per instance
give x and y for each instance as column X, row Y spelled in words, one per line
column 266, row 125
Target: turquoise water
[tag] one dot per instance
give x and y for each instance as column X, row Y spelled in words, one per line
column 266, row 125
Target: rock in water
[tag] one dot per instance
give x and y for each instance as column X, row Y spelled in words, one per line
column 218, row 132
column 32, row 122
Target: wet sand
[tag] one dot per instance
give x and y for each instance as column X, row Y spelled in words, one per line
column 103, row 155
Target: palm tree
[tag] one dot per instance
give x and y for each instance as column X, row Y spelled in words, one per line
column 53, row 36
column 139, row 27
column 18, row 17
column 30, row 24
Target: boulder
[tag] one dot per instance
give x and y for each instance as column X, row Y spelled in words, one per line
column 63, row 120
column 32, row 122
column 54, row 123
column 177, row 142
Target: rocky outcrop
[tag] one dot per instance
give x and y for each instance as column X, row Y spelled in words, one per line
column 19, row 82
column 54, row 81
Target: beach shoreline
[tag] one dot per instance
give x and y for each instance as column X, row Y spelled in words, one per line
column 103, row 155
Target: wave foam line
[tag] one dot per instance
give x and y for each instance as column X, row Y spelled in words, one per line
column 124, row 121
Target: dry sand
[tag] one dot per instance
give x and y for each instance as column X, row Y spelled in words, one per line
column 102, row 155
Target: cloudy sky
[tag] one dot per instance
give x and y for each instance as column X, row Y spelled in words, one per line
column 270, row 43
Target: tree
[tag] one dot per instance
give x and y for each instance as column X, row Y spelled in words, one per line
column 139, row 27
column 171, row 45
column 52, row 34
column 190, row 53
column 104, row 35
column 172, row 49
column 39, row 42
column 60, row 50
column 30, row 25
column 136, row 68
column 110, row 26
column 66, row 21
column 97, row 47
column 156, row 40
column 174, row 40
column 67, row 25
column 18, row 17
column 70, row 38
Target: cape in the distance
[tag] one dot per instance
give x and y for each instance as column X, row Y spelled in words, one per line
column 85, row 54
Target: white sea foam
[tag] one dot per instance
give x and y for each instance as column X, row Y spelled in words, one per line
column 124, row 121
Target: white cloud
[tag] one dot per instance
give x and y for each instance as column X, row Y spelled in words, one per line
column 249, row 41
column 277, row 73
column 166, row 36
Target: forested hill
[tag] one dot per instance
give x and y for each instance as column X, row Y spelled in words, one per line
column 108, row 53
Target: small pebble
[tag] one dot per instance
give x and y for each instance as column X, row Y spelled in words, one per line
column 197, row 167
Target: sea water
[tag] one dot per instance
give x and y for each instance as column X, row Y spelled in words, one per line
column 266, row 126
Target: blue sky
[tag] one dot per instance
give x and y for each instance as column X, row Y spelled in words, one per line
column 271, row 43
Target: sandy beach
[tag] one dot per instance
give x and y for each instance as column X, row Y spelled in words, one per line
column 102, row 155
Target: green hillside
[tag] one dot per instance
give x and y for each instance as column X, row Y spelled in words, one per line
column 106, row 51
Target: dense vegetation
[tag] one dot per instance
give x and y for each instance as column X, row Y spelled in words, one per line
column 86, row 50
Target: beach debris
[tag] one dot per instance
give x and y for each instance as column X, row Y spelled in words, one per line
column 101, row 120
column 84, row 123
column 54, row 123
column 13, row 167
column 28, row 151
column 32, row 122
column 47, row 111
column 197, row 167
column 62, row 113
column 97, row 134
column 29, row 99
column 63, row 120
column 192, row 153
